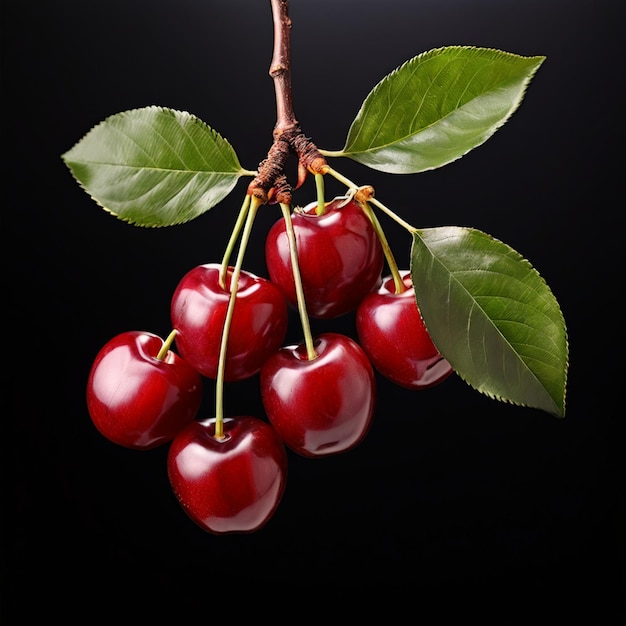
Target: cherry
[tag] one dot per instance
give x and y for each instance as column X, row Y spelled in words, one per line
column 228, row 485
column 339, row 255
column 324, row 405
column 391, row 331
column 198, row 312
column 137, row 400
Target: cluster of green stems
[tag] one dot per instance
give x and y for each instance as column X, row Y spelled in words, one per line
column 270, row 185
column 229, row 275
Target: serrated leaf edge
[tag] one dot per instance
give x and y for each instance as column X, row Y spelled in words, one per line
column 424, row 55
column 557, row 413
column 193, row 118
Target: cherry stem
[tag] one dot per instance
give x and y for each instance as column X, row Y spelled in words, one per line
column 364, row 203
column 297, row 279
column 391, row 261
column 167, row 344
column 234, row 283
column 241, row 219
column 394, row 216
column 341, row 178
column 321, row 199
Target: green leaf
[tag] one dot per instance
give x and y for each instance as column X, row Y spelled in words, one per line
column 154, row 166
column 492, row 316
column 436, row 107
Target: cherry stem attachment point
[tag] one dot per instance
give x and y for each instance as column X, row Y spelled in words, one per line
column 348, row 183
column 368, row 197
column 251, row 212
column 167, row 344
column 297, row 279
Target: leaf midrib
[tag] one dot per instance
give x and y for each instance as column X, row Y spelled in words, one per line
column 239, row 172
column 452, row 277
column 424, row 128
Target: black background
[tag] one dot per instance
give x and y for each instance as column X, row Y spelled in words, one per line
column 455, row 503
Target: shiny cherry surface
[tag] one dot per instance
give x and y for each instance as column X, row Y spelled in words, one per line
column 137, row 400
column 321, row 406
column 198, row 312
column 339, row 255
column 391, row 331
column 229, row 485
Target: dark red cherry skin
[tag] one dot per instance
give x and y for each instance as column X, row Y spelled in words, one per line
column 229, row 485
column 136, row 400
column 391, row 331
column 339, row 255
column 321, row 406
column 198, row 312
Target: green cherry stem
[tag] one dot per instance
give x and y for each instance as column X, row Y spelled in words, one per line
column 321, row 199
column 341, row 178
column 167, row 344
column 393, row 215
column 391, row 261
column 241, row 219
column 297, row 279
column 251, row 211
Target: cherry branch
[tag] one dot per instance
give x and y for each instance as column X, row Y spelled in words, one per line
column 270, row 183
column 280, row 67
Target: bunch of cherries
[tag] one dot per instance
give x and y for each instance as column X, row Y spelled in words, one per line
column 319, row 396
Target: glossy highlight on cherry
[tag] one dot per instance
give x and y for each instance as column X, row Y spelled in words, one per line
column 391, row 330
column 136, row 400
column 339, row 255
column 320, row 406
column 228, row 485
column 198, row 312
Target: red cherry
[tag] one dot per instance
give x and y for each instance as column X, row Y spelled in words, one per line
column 198, row 312
column 228, row 485
column 339, row 255
column 324, row 405
column 137, row 400
column 391, row 331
